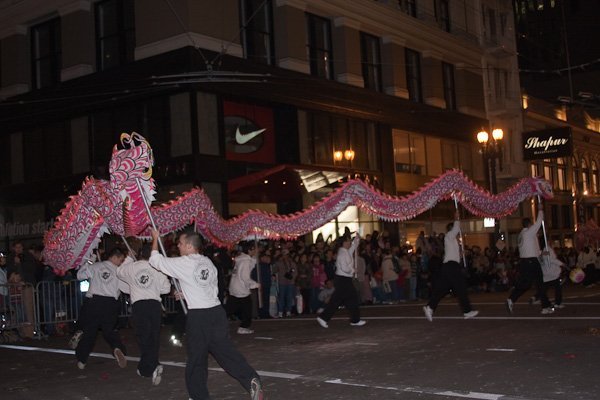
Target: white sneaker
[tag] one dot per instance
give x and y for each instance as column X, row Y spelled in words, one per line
column 359, row 323
column 509, row 306
column 280, row 315
column 157, row 375
column 288, row 314
column 559, row 306
column 121, row 360
column 547, row 310
column 428, row 313
column 256, row 391
column 244, row 331
column 75, row 339
column 80, row 365
column 322, row 322
column 471, row 314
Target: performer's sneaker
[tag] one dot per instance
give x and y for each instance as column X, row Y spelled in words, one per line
column 244, row 331
column 75, row 339
column 471, row 314
column 360, row 322
column 509, row 306
column 121, row 360
column 80, row 365
column 157, row 375
column 322, row 322
column 256, row 391
column 428, row 311
column 559, row 306
column 547, row 310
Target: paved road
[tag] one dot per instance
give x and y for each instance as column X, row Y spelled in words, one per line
column 397, row 355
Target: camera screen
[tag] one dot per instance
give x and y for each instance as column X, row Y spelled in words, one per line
column 84, row 286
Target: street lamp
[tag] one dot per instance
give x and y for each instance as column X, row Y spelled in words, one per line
column 491, row 150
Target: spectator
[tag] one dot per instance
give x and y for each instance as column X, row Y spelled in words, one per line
column 286, row 271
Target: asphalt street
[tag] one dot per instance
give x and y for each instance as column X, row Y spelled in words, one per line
column 397, row 355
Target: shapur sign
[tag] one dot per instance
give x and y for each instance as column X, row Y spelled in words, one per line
column 547, row 143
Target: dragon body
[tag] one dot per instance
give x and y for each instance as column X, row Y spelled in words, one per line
column 117, row 206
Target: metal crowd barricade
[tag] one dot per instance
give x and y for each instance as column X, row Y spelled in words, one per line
column 17, row 311
column 57, row 305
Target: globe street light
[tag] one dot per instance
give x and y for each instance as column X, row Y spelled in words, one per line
column 491, row 150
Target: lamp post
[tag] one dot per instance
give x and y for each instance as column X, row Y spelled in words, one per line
column 491, row 150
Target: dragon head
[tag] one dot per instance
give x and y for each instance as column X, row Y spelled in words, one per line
column 132, row 164
column 542, row 187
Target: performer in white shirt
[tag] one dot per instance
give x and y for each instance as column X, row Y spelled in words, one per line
column 345, row 292
column 530, row 270
column 207, row 329
column 451, row 275
column 239, row 300
column 102, row 307
column 145, row 285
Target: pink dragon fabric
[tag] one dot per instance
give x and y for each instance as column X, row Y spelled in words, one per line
column 117, row 206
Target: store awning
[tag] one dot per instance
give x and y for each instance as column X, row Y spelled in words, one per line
column 280, row 183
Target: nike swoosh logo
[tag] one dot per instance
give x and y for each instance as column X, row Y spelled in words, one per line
column 240, row 138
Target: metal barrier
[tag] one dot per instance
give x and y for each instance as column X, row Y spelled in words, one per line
column 17, row 311
column 58, row 304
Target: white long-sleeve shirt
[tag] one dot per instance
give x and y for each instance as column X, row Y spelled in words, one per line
column 241, row 283
column 143, row 281
column 197, row 276
column 103, row 279
column 344, row 262
column 451, row 248
column 551, row 265
column 529, row 246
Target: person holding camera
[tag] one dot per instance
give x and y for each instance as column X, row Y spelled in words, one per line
column 286, row 270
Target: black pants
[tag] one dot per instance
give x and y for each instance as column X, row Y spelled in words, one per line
column 530, row 273
column 101, row 313
column 242, row 307
column 146, row 317
column 450, row 277
column 207, row 331
column 557, row 290
column 346, row 294
column 590, row 274
column 265, row 293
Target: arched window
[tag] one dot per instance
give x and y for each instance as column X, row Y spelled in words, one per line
column 585, row 174
column 549, row 171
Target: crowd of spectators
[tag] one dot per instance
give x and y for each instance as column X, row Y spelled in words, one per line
column 387, row 273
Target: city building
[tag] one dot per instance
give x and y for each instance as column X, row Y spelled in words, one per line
column 392, row 92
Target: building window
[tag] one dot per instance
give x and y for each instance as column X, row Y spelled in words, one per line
column 449, row 87
column 319, row 46
column 115, row 33
column 46, row 54
column 561, row 174
column 535, row 170
column 48, row 151
column 576, row 176
column 442, row 14
column 328, row 134
column 371, row 61
column 409, row 153
column 409, row 7
column 257, row 30
column 413, row 76
column 585, row 175
column 594, row 177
